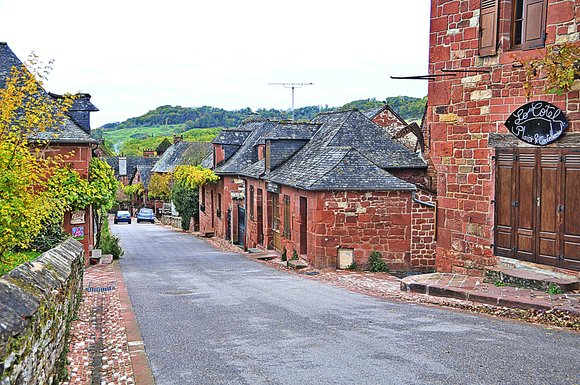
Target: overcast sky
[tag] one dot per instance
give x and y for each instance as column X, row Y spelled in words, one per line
column 133, row 56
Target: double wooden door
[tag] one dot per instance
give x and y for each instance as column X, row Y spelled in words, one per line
column 537, row 206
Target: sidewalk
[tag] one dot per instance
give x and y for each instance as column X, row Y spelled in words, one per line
column 105, row 344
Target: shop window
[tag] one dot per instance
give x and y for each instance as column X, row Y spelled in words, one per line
column 251, row 203
column 275, row 212
column 219, row 206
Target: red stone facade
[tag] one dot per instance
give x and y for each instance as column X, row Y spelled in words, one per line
column 463, row 110
column 79, row 156
column 321, row 223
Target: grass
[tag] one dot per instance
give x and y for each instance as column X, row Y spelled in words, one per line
column 12, row 260
column 132, row 141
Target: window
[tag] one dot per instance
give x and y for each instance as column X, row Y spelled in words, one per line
column 251, row 202
column 202, row 205
column 219, row 206
column 287, row 217
column 528, row 27
column 275, row 212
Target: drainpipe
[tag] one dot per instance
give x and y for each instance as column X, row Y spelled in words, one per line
column 428, row 204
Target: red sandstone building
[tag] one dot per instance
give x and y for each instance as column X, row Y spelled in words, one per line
column 330, row 191
column 502, row 191
column 72, row 139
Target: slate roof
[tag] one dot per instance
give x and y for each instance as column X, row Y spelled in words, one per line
column 68, row 131
column 182, row 153
column 145, row 172
column 132, row 163
column 231, row 136
column 291, row 131
column 207, row 162
column 348, row 152
column 81, row 103
column 246, row 155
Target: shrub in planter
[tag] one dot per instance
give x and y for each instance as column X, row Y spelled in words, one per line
column 376, row 263
column 110, row 245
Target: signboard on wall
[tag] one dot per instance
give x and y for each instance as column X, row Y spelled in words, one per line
column 273, row 187
column 77, row 217
column 539, row 123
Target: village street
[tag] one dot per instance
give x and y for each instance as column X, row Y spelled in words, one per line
column 208, row 317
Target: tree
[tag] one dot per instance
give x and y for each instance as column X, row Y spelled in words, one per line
column 30, row 194
column 160, row 186
column 184, row 194
column 103, row 186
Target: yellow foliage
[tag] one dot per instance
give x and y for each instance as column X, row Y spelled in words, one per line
column 192, row 177
column 160, row 185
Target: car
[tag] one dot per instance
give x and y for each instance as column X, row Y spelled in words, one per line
column 145, row 215
column 122, row 216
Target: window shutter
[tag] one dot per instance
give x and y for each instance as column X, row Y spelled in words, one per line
column 488, row 20
column 534, row 33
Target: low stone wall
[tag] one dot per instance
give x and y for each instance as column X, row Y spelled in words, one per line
column 37, row 303
column 171, row 221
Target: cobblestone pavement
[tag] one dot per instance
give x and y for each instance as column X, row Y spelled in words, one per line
column 101, row 350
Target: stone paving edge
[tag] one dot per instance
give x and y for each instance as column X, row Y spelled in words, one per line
column 141, row 369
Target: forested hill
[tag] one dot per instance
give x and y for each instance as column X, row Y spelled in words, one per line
column 407, row 107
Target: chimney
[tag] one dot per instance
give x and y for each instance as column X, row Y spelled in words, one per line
column 177, row 138
column 80, row 111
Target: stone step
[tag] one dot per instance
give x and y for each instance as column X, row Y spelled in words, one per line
column 531, row 279
column 265, row 256
column 297, row 264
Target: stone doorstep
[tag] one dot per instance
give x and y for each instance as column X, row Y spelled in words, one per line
column 425, row 284
column 106, row 259
column 527, row 278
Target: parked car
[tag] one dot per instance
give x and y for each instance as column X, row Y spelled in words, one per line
column 145, row 215
column 122, row 216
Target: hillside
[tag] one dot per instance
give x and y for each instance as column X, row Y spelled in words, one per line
column 203, row 123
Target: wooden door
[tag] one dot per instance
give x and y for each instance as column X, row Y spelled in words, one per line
column 260, row 215
column 525, row 204
column 276, row 224
column 570, row 210
column 241, row 225
column 537, row 206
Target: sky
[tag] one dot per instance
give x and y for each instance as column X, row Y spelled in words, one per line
column 133, row 56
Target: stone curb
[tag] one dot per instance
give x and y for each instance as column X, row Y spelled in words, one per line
column 489, row 299
column 141, row 370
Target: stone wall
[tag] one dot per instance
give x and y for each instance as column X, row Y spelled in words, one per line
column 37, row 303
column 463, row 110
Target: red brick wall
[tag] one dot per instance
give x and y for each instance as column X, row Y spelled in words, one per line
column 225, row 186
column 79, row 157
column 388, row 222
column 465, row 109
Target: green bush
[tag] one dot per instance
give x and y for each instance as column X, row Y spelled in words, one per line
column 283, row 256
column 352, row 266
column 376, row 263
column 52, row 235
column 110, row 245
column 294, row 255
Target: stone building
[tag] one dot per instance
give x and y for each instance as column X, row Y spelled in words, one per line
column 330, row 191
column 507, row 161
column 71, row 140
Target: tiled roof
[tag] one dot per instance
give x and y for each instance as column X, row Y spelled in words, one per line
column 68, row 131
column 246, row 155
column 132, row 163
column 182, row 153
column 292, row 131
column 347, row 152
column 207, row 162
column 145, row 172
column 231, row 136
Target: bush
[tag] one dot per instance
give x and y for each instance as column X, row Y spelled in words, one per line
column 283, row 256
column 376, row 263
column 52, row 235
column 110, row 245
column 294, row 255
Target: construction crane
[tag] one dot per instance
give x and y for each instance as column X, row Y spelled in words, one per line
column 293, row 86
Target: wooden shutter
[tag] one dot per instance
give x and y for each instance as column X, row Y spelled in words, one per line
column 488, row 20
column 534, row 29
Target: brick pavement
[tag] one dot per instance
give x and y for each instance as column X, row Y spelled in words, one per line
column 105, row 345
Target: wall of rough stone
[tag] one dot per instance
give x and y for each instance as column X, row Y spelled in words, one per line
column 37, row 303
column 465, row 109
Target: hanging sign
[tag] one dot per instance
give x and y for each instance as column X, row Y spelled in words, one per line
column 77, row 217
column 538, row 123
column 273, row 187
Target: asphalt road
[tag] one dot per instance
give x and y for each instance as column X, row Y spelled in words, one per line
column 209, row 317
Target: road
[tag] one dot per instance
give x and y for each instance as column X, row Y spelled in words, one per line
column 209, row 317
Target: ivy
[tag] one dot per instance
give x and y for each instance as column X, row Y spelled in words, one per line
column 561, row 66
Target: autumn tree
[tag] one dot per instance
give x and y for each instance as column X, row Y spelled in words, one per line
column 103, row 186
column 184, row 193
column 160, row 186
column 30, row 194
